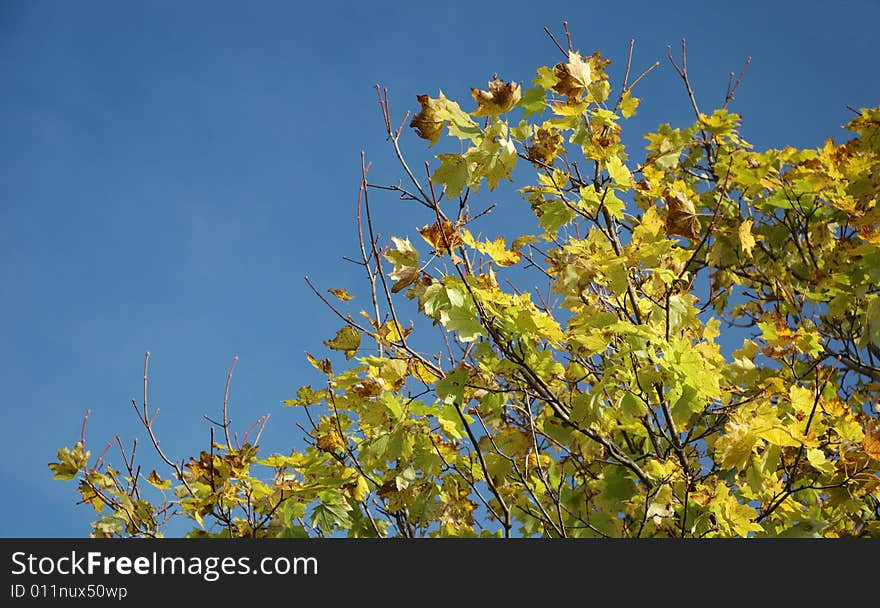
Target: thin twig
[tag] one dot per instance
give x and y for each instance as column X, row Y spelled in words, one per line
column 728, row 96
column 555, row 41
column 226, row 401
column 82, row 431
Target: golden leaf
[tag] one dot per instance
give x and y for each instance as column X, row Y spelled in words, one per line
column 441, row 235
column 500, row 98
column 341, row 294
column 545, row 145
column 746, row 240
column 331, row 441
column 871, row 442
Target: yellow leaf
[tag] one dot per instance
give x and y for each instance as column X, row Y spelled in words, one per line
column 746, row 240
column 157, row 481
column 871, row 442
column 361, row 489
column 628, row 105
column 711, row 330
column 778, row 435
column 545, row 145
column 392, row 331
column 736, row 445
column 816, row 458
column 347, row 339
column 740, row 518
column 331, row 442
column 322, row 365
column 802, row 399
column 424, row 373
column 341, row 294
column 497, row 249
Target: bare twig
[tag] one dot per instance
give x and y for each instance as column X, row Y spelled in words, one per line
column 732, row 86
column 226, row 401
column 555, row 41
column 82, row 431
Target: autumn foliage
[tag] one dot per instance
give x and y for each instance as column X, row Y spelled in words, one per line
column 684, row 342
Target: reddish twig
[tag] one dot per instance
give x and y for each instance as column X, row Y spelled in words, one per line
column 82, row 431
column 226, row 401
column 732, row 86
column 555, row 41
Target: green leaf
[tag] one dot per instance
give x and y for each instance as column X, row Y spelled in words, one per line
column 450, row 422
column 451, row 388
column 871, row 332
column 296, row 531
column 454, row 173
column 403, row 254
column 554, row 215
column 546, row 79
column 533, row 101
column 330, row 513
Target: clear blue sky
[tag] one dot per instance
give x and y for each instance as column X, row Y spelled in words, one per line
column 169, row 171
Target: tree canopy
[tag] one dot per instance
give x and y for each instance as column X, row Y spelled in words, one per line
column 684, row 342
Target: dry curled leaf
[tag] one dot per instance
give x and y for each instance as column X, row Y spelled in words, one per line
column 681, row 216
column 404, row 277
column 544, row 147
column 441, row 235
column 331, row 442
column 341, row 294
column 429, row 122
column 500, row 98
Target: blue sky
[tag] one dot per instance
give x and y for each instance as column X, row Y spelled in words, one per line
column 170, row 171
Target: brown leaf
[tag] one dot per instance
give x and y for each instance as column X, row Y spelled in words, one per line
column 681, row 217
column 404, row 277
column 367, row 388
column 442, row 236
column 500, row 98
column 545, row 145
column 429, row 123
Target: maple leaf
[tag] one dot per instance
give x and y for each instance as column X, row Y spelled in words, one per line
column 441, row 235
column 500, row 98
column 574, row 76
column 681, row 216
column 429, row 122
column 746, row 239
column 871, row 442
column 545, row 145
column 347, row 340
